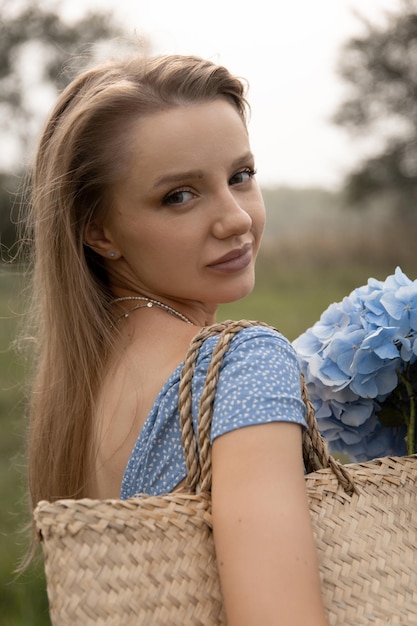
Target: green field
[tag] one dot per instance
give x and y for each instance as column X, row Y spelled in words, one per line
column 22, row 598
column 290, row 299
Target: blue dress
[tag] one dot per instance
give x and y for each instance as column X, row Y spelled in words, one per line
column 259, row 382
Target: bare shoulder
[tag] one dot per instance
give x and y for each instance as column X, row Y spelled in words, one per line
column 142, row 361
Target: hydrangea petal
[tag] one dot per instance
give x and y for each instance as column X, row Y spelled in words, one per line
column 350, row 359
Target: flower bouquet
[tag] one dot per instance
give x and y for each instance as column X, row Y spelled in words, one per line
column 360, row 365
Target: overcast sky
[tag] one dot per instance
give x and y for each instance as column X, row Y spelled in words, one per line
column 287, row 50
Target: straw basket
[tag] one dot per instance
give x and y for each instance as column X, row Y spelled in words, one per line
column 150, row 560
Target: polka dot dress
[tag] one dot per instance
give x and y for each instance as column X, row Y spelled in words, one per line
column 259, row 382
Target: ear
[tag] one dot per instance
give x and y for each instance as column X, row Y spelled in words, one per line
column 97, row 239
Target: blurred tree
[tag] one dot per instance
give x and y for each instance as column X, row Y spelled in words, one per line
column 40, row 51
column 380, row 69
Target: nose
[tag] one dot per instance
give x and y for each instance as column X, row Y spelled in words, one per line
column 231, row 217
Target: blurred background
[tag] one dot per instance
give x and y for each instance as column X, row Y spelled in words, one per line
column 333, row 91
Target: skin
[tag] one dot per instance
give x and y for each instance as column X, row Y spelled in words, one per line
column 189, row 197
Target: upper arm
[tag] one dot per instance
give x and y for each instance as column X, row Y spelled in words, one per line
column 262, row 530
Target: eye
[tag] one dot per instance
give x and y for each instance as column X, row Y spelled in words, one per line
column 243, row 176
column 178, row 197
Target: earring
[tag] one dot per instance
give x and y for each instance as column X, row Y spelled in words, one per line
column 112, row 254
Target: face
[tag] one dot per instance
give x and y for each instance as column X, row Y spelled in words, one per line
column 187, row 219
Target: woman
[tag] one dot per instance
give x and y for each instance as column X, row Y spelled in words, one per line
column 146, row 216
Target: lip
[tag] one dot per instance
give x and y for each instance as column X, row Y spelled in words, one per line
column 234, row 260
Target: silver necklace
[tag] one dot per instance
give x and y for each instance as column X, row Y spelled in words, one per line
column 149, row 304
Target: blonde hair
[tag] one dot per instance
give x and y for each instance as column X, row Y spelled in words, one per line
column 80, row 156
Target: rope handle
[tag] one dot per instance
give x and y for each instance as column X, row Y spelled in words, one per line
column 315, row 451
column 197, row 449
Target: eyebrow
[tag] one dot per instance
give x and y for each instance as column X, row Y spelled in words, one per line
column 172, row 179
column 178, row 177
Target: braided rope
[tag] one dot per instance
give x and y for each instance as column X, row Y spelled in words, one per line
column 198, row 456
column 315, row 447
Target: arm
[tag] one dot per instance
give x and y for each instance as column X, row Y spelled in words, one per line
column 262, row 530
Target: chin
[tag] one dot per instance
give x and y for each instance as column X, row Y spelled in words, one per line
column 233, row 295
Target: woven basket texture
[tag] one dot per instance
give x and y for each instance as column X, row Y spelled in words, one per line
column 367, row 542
column 150, row 560
column 145, row 561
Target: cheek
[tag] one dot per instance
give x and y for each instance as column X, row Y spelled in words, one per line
column 258, row 215
column 161, row 245
column 136, row 235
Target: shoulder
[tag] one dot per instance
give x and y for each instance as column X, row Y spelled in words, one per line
column 259, row 381
column 257, row 354
column 251, row 342
column 264, row 339
column 261, row 357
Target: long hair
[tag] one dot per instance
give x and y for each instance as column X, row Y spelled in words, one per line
column 81, row 154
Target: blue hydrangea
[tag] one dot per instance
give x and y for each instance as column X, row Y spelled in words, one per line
column 354, row 360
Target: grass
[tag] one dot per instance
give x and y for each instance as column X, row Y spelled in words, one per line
column 293, row 300
column 22, row 598
column 294, row 286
